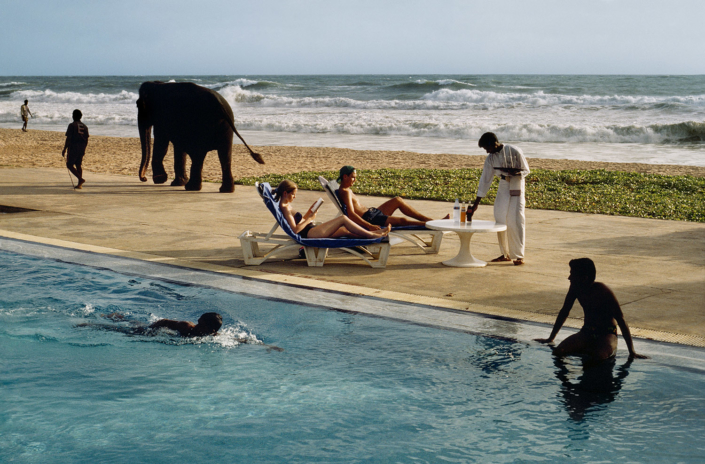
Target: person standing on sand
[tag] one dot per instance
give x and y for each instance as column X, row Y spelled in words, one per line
column 26, row 114
column 76, row 142
column 508, row 163
column 597, row 340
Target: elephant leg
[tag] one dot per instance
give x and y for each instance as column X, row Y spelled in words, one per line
column 196, row 171
column 161, row 145
column 225, row 155
column 180, row 177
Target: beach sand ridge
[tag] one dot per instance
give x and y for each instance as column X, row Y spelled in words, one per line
column 122, row 155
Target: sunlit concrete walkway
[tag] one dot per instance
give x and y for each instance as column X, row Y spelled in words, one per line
column 656, row 268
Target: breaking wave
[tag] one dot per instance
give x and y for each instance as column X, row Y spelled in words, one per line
column 49, row 96
column 428, row 84
column 447, row 99
column 687, row 132
column 543, row 99
column 242, row 83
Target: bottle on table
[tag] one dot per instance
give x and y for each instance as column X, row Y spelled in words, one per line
column 456, row 211
column 463, row 214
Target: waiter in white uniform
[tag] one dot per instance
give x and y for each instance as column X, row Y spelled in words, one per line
column 508, row 163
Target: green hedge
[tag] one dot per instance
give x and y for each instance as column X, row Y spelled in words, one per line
column 596, row 191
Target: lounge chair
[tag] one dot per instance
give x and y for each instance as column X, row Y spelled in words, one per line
column 409, row 233
column 374, row 251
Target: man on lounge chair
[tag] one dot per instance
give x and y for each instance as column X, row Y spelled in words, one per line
column 376, row 218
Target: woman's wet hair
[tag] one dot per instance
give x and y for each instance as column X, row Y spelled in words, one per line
column 583, row 267
column 211, row 321
column 284, row 186
column 488, row 140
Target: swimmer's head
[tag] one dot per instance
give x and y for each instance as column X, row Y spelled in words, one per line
column 209, row 323
column 583, row 268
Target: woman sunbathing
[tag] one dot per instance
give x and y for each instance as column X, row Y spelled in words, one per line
column 341, row 226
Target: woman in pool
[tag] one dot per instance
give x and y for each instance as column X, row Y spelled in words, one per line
column 303, row 225
column 597, row 340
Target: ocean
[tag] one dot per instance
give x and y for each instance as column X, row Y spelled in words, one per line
column 644, row 119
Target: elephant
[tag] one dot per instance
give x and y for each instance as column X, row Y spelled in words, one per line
column 195, row 120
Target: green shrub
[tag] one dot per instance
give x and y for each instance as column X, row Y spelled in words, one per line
column 596, row 191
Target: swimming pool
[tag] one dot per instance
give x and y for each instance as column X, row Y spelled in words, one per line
column 346, row 388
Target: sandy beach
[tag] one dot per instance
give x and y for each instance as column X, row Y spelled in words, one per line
column 117, row 155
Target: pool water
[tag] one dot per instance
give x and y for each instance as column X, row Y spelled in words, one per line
column 346, row 388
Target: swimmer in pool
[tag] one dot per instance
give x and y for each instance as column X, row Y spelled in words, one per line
column 598, row 338
column 208, row 324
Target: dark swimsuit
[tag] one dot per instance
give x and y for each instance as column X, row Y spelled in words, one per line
column 304, row 233
column 595, row 333
column 376, row 217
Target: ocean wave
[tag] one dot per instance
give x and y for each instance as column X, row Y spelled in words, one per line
column 49, row 96
column 8, row 84
column 62, row 118
column 237, row 95
column 469, row 96
column 422, row 84
column 242, row 83
column 449, row 99
column 679, row 133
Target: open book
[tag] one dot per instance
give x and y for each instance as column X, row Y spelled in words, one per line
column 316, row 205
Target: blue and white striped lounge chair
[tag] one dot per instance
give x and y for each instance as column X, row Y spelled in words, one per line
column 374, row 251
column 409, row 233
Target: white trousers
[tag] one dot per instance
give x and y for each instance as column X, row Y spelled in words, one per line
column 509, row 210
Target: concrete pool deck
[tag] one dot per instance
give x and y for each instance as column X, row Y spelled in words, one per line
column 656, row 268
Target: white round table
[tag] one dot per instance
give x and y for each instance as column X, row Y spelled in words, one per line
column 465, row 231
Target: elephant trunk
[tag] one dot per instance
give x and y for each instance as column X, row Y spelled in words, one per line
column 146, row 141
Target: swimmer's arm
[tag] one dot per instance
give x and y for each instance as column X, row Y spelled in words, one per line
column 269, row 347
column 570, row 298
column 609, row 299
column 627, row 335
column 115, row 328
column 183, row 327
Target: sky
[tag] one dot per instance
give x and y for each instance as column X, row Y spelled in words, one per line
column 265, row 37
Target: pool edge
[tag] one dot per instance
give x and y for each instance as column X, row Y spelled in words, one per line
column 315, row 284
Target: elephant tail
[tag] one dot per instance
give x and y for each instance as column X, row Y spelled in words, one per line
column 255, row 156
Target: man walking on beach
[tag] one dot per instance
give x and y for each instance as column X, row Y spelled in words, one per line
column 26, row 114
column 76, row 142
column 508, row 163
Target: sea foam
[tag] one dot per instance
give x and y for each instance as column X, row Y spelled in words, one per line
column 49, row 96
